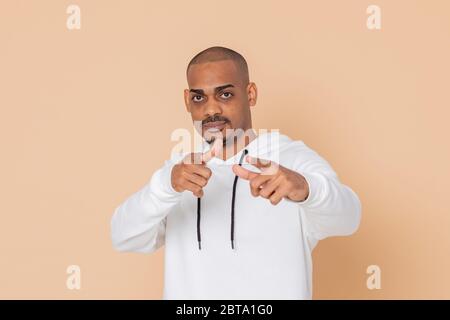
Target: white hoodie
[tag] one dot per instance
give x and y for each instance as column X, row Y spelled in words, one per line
column 271, row 258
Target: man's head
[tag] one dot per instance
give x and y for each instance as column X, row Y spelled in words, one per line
column 219, row 94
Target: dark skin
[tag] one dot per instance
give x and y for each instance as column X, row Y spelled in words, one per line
column 219, row 90
column 219, row 95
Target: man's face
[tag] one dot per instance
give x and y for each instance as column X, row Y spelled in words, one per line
column 219, row 98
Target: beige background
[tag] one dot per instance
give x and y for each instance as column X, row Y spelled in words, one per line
column 86, row 117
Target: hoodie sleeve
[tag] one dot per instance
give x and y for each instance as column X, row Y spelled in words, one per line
column 138, row 224
column 331, row 208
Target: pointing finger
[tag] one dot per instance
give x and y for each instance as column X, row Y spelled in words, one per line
column 244, row 173
column 259, row 163
column 266, row 166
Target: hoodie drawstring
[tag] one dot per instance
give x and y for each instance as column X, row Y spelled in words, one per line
column 199, row 237
column 232, row 208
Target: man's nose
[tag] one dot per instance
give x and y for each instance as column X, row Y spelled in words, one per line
column 213, row 108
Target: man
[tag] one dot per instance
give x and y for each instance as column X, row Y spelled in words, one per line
column 240, row 218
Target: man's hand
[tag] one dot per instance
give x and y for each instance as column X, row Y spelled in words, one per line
column 192, row 173
column 274, row 182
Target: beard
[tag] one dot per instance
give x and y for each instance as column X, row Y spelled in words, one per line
column 229, row 138
column 213, row 139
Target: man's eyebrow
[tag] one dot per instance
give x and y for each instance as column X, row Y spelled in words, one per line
column 216, row 89
column 198, row 91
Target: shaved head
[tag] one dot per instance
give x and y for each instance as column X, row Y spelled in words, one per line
column 213, row 54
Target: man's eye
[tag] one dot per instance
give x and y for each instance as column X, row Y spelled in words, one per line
column 226, row 95
column 197, row 98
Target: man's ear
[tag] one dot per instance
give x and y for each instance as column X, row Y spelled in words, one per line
column 186, row 100
column 252, row 93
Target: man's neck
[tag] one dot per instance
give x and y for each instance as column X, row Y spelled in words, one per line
column 240, row 142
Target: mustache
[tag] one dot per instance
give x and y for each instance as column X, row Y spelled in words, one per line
column 215, row 118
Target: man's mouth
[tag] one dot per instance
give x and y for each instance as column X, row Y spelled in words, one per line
column 215, row 125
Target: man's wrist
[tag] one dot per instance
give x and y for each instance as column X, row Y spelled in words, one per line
column 301, row 194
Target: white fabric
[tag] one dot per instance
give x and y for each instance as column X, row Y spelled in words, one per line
column 273, row 244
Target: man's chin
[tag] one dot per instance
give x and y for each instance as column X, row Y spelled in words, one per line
column 211, row 140
column 210, row 136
